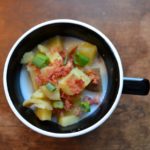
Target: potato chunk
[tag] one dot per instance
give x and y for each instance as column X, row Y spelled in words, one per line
column 75, row 74
column 27, row 57
column 67, row 120
column 88, row 50
column 39, row 103
column 43, row 114
column 38, row 94
column 33, row 75
column 42, row 48
column 55, row 43
column 52, row 54
column 52, row 95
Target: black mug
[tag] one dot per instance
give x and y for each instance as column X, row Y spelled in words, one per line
column 117, row 83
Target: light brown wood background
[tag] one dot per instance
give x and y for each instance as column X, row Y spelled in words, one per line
column 127, row 24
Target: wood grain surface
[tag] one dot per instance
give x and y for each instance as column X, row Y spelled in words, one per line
column 127, row 24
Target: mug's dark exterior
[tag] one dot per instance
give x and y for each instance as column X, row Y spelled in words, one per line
column 112, row 61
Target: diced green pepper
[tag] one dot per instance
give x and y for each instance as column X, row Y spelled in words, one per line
column 58, row 104
column 40, row 60
column 80, row 59
column 50, row 87
column 85, row 106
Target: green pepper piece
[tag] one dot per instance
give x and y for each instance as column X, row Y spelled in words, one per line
column 50, row 87
column 85, row 106
column 40, row 60
column 58, row 104
column 80, row 59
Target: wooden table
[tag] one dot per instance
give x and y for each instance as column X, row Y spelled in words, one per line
column 127, row 24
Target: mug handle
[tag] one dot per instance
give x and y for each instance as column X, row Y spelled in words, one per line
column 136, row 86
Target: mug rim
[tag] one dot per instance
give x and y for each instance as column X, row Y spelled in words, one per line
column 81, row 132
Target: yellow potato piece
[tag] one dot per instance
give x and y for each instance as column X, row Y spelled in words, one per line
column 54, row 56
column 43, row 104
column 89, row 50
column 77, row 74
column 42, row 48
column 51, row 53
column 52, row 95
column 27, row 57
column 43, row 114
column 38, row 94
column 55, row 43
column 33, row 77
column 67, row 120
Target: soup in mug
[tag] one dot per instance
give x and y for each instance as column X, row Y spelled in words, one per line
column 63, row 80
